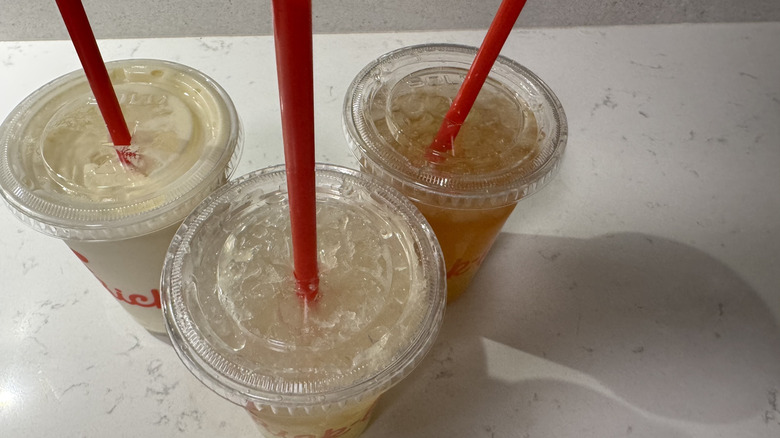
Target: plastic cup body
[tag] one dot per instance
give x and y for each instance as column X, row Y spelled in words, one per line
column 312, row 369
column 58, row 172
column 467, row 194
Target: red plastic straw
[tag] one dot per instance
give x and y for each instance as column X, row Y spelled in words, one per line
column 293, row 38
column 494, row 40
column 76, row 21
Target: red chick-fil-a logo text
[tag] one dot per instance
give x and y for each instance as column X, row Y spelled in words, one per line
column 461, row 266
column 133, row 299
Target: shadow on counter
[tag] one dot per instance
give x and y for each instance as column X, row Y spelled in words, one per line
column 611, row 336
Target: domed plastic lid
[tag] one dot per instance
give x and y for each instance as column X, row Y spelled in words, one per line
column 236, row 321
column 509, row 146
column 61, row 175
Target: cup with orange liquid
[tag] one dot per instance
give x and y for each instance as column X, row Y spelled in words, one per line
column 509, row 146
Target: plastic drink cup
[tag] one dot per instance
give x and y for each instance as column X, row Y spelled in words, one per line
column 60, row 173
column 300, row 368
column 509, row 146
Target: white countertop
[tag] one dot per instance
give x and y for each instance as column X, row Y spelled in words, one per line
column 636, row 295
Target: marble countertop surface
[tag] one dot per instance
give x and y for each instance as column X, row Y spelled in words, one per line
column 637, row 295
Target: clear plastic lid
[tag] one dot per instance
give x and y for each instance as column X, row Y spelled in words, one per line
column 509, row 146
column 59, row 172
column 236, row 322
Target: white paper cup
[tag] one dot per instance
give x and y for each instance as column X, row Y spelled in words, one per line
column 58, row 176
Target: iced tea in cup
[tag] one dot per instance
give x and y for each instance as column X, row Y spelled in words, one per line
column 509, row 146
column 61, row 175
column 304, row 369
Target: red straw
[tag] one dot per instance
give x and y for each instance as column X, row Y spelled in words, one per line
column 293, row 38
column 497, row 34
column 76, row 21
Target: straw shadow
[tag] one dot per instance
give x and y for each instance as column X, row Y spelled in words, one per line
column 630, row 330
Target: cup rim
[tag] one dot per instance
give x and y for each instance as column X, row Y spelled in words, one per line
column 423, row 185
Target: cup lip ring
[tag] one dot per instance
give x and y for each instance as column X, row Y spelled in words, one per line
column 354, row 127
column 192, row 353
column 85, row 223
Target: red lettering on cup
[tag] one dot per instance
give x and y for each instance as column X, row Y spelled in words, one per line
column 80, row 256
column 132, row 299
column 137, row 299
column 330, row 433
column 258, row 420
column 461, row 266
